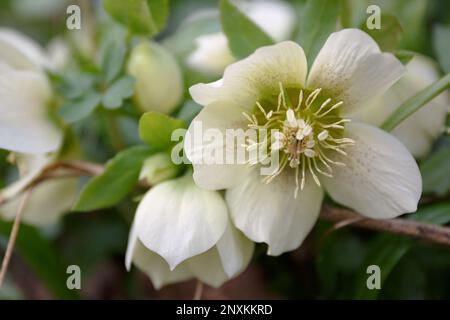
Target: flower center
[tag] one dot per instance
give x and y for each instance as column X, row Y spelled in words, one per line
column 305, row 128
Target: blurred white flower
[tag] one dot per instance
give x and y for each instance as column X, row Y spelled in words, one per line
column 28, row 130
column 418, row 131
column 181, row 231
column 25, row 95
column 212, row 55
column 359, row 165
column 159, row 82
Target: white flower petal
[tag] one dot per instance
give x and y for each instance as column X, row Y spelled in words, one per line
column 381, row 179
column 276, row 18
column 208, row 154
column 20, row 52
column 269, row 212
column 212, row 54
column 24, row 123
column 235, row 251
column 245, row 81
column 61, row 193
column 208, row 268
column 290, row 117
column 178, row 220
column 419, row 130
column 157, row 269
column 351, row 68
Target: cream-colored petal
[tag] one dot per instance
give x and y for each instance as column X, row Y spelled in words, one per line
column 47, row 202
column 209, row 141
column 246, row 81
column 20, row 52
column 178, row 220
column 351, row 68
column 381, row 179
column 207, row 267
column 25, row 125
column 419, row 130
column 270, row 213
column 235, row 251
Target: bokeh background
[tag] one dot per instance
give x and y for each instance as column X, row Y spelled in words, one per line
column 327, row 266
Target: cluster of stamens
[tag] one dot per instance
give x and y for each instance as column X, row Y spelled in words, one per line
column 305, row 129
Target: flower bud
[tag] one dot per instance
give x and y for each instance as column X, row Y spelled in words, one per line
column 159, row 83
column 158, row 168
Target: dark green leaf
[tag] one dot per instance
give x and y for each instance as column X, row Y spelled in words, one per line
column 140, row 16
column 189, row 110
column 436, row 172
column 390, row 34
column 79, row 109
column 244, row 36
column 121, row 89
column 120, row 176
column 416, row 102
column 43, row 259
column 318, row 19
column 441, row 44
column 156, row 129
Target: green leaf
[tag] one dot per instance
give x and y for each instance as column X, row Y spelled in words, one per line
column 436, row 172
column 244, row 36
column 189, row 111
column 404, row 56
column 441, row 44
column 79, row 109
column 112, row 60
column 121, row 89
column 386, row 250
column 156, row 129
column 120, row 176
column 416, row 102
column 390, row 34
column 147, row 17
column 318, row 19
column 43, row 259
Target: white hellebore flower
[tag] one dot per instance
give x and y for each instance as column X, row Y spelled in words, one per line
column 159, row 82
column 27, row 129
column 359, row 165
column 418, row 131
column 181, row 231
column 212, row 55
column 25, row 94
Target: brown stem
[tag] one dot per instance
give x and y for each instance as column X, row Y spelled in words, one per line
column 425, row 231
column 13, row 236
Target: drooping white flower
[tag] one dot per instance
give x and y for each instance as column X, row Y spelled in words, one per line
column 181, row 231
column 419, row 130
column 359, row 165
column 159, row 82
column 212, row 55
column 25, row 94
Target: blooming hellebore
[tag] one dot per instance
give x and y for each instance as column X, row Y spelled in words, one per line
column 181, row 232
column 307, row 119
column 28, row 130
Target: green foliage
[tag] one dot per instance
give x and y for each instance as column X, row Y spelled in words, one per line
column 441, row 43
column 43, row 258
column 386, row 250
column 147, row 17
column 119, row 177
column 244, row 36
column 436, row 172
column 404, row 56
column 156, row 129
column 80, row 108
column 112, row 59
column 390, row 34
column 121, row 89
column 318, row 19
column 416, row 102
